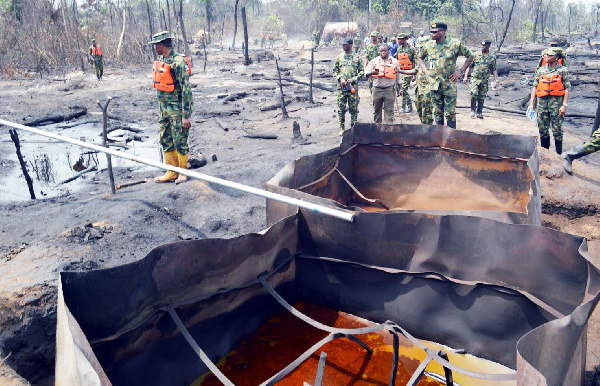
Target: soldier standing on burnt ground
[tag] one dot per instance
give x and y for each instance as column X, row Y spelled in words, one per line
column 407, row 59
column 170, row 75
column 348, row 69
column 441, row 53
column 483, row 64
column 95, row 53
column 551, row 88
column 372, row 52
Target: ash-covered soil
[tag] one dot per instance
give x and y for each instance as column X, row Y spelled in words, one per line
column 80, row 226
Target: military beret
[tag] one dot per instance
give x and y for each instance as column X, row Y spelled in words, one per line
column 374, row 33
column 159, row 37
column 440, row 26
column 551, row 52
column 486, row 42
column 348, row 41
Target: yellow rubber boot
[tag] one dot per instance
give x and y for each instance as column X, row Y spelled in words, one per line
column 170, row 159
column 183, row 161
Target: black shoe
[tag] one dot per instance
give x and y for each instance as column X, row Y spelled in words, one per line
column 558, row 145
column 572, row 154
column 439, row 122
column 480, row 110
column 545, row 142
column 451, row 124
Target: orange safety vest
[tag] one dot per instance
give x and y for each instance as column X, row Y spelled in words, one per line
column 404, row 61
column 161, row 75
column 545, row 62
column 385, row 70
column 96, row 51
column 550, row 84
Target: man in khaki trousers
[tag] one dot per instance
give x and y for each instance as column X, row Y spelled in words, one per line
column 387, row 82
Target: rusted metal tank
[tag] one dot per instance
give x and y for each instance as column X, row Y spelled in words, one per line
column 519, row 295
column 339, row 29
column 418, row 168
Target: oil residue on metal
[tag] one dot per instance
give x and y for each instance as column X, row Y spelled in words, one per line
column 284, row 337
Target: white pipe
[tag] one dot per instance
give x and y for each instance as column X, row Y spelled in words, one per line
column 233, row 185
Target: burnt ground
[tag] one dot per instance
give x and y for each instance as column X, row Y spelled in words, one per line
column 80, row 226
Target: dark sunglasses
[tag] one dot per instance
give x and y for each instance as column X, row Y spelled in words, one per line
column 434, row 32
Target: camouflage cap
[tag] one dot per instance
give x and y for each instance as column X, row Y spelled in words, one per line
column 486, row 42
column 375, row 33
column 403, row 36
column 551, row 51
column 159, row 37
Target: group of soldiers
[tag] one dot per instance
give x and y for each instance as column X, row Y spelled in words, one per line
column 433, row 63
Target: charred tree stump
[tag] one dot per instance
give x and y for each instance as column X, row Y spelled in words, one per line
column 247, row 60
column 205, row 58
column 104, row 142
column 312, row 65
column 284, row 112
column 15, row 138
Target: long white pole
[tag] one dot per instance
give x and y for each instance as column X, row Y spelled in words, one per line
column 233, row 185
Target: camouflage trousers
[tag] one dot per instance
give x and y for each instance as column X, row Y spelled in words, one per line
column 444, row 101
column 99, row 67
column 547, row 108
column 172, row 134
column 424, row 106
column 352, row 100
column 406, row 101
column 478, row 88
column 593, row 145
column 383, row 101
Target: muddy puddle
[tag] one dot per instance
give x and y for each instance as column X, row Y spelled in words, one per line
column 51, row 162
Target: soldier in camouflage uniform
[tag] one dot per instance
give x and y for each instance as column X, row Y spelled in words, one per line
column 580, row 150
column 483, row 64
column 357, row 42
column 348, row 69
column 316, row 38
column 551, row 109
column 175, row 107
column 96, row 56
column 372, row 53
column 442, row 73
column 405, row 48
column 422, row 96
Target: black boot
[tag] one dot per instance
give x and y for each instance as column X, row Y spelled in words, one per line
column 440, row 122
column 572, row 154
column 545, row 142
column 480, row 110
column 451, row 124
column 473, row 107
column 558, row 145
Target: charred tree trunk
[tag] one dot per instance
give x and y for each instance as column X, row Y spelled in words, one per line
column 122, row 37
column 183, row 34
column 168, row 15
column 535, row 23
column 104, row 141
column 151, row 28
column 312, row 65
column 597, row 120
column 234, row 23
column 284, row 112
column 512, row 7
column 15, row 138
column 247, row 60
column 208, row 37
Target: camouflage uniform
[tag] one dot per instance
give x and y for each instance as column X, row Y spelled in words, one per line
column 316, row 38
column 174, row 106
column 442, row 62
column 97, row 60
column 593, row 145
column 548, row 106
column 481, row 68
column 372, row 53
column 423, row 98
column 349, row 67
column 412, row 55
column 357, row 43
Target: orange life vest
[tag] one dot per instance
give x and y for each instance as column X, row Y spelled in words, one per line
column 161, row 75
column 96, row 51
column 545, row 61
column 550, row 84
column 404, row 61
column 385, row 70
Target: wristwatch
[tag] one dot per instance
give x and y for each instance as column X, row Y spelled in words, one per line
column 565, row 104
